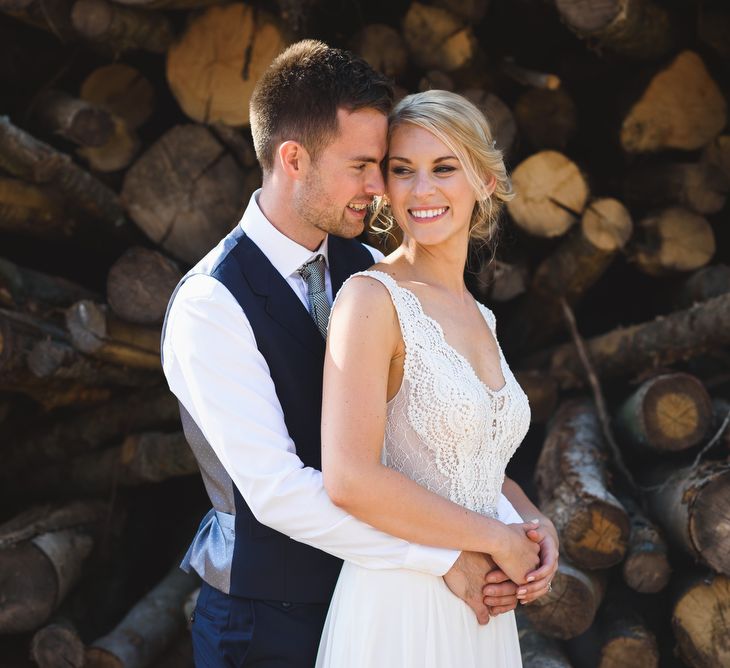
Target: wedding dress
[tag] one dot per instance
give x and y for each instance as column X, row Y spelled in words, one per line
column 454, row 435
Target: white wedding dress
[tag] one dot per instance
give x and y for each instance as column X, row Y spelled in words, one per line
column 454, row 435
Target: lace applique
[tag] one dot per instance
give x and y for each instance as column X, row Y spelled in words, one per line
column 445, row 428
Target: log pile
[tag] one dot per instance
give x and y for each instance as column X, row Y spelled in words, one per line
column 125, row 154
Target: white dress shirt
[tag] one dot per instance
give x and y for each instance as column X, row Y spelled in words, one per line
column 215, row 369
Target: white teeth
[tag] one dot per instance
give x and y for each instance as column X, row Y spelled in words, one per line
column 358, row 207
column 428, row 213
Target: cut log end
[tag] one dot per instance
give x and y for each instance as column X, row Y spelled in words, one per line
column 700, row 623
column 597, row 535
column 607, row 224
column 646, row 572
column 56, row 646
column 630, row 652
column 710, row 528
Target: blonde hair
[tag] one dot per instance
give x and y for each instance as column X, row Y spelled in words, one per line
column 460, row 125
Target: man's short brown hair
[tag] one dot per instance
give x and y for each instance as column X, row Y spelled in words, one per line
column 298, row 96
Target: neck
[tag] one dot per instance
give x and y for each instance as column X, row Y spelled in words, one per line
column 277, row 203
column 440, row 266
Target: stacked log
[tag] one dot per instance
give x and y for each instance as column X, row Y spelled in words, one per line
column 126, row 154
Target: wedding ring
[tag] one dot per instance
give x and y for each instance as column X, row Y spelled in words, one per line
column 550, row 586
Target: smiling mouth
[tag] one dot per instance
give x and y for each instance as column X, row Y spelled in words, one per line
column 358, row 207
column 428, row 214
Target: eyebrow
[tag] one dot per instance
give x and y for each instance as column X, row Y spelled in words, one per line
column 365, row 158
column 441, row 159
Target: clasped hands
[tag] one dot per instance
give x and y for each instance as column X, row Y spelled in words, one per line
column 489, row 590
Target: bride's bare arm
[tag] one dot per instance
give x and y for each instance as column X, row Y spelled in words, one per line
column 363, row 338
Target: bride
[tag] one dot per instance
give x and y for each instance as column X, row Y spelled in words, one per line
column 421, row 412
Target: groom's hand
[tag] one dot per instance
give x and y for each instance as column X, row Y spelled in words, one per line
column 500, row 593
column 466, row 580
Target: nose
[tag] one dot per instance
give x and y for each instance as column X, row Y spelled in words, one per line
column 423, row 185
column 374, row 184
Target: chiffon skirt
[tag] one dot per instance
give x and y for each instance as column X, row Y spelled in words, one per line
column 406, row 619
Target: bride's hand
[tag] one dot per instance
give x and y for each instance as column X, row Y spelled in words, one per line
column 517, row 555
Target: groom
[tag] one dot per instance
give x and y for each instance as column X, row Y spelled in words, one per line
column 243, row 350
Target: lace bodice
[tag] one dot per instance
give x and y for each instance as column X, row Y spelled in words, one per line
column 445, row 428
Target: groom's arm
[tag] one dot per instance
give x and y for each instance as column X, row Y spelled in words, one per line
column 215, row 369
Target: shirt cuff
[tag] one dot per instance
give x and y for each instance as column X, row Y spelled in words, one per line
column 431, row 560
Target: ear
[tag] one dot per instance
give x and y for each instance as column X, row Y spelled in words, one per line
column 294, row 159
column 491, row 185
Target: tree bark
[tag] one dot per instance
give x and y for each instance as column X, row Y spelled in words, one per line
column 186, row 192
column 40, row 561
column 35, row 161
column 36, row 292
column 139, row 285
column 692, row 506
column 140, row 459
column 57, row 439
column 76, row 120
column 29, row 210
column 547, row 118
column 699, row 621
column 568, row 273
column 668, row 413
column 640, row 29
column 700, row 186
column 538, row 651
column 148, row 628
column 57, row 646
column 646, row 567
column 674, row 240
column 121, row 28
column 681, row 335
column 570, row 608
column 553, row 194
column 704, row 284
column 682, row 108
column 572, row 486
column 102, row 335
column 213, row 67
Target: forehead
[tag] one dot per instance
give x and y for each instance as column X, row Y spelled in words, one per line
column 408, row 138
column 361, row 129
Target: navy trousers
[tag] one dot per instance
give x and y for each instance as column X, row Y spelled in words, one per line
column 233, row 632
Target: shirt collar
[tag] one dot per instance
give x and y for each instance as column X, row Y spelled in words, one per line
column 284, row 254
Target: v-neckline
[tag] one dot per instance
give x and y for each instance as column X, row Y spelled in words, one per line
column 442, row 336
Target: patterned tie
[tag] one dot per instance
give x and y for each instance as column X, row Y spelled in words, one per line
column 319, row 306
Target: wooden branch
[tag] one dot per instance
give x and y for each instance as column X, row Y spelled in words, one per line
column 639, row 29
column 528, row 77
column 569, row 272
column 122, row 28
column 667, row 413
column 667, row 339
column 76, row 120
column 36, row 292
column 699, row 186
column 149, row 627
column 139, row 285
column 547, row 118
column 102, row 335
column 57, row 645
column 29, row 210
column 572, row 487
column 692, row 505
column 140, row 459
column 698, row 621
column 553, row 194
column 570, row 608
column 39, row 572
column 682, row 108
column 30, row 159
column 57, row 439
column 646, row 568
